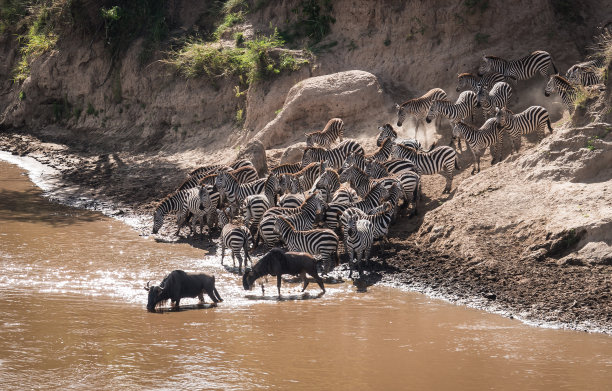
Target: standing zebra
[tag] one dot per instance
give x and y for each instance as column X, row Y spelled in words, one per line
column 390, row 167
column 380, row 219
column 533, row 119
column 235, row 192
column 254, row 207
column 564, row 88
column 330, row 181
column 325, row 137
column 498, row 96
column 489, row 135
column 334, row 157
column 461, row 109
column 322, row 242
column 372, row 200
column 235, row 237
column 244, row 174
column 471, row 81
column 288, row 168
column 521, row 69
column 429, row 163
column 358, row 241
column 171, row 203
column 387, row 132
column 418, row 107
column 584, row 76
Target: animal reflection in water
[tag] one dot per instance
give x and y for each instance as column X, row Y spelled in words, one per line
column 278, row 262
column 178, row 285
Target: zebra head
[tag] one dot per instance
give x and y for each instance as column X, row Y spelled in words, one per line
column 486, row 65
column 501, row 117
column 308, row 157
column 158, row 220
column 309, row 142
column 433, row 111
column 462, row 80
column 551, row 86
column 386, row 131
column 351, row 225
column 401, row 114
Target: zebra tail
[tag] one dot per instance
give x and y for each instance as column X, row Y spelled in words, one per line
column 554, row 67
column 549, row 126
column 432, row 146
column 457, row 163
column 336, row 258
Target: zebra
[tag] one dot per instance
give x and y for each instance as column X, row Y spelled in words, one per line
column 291, row 200
column 359, row 237
column 322, row 242
column 428, row 163
column 325, row 137
column 236, row 238
column 288, row 168
column 254, row 207
column 380, row 217
column 345, row 194
column 301, row 180
column 411, row 190
column 532, row 119
column 334, row 157
column 564, row 88
column 330, row 181
column 235, row 192
column 586, row 73
column 384, row 150
column 391, row 167
column 521, row 69
column 369, row 202
column 584, row 76
column 244, row 174
column 303, row 220
column 418, row 107
column 362, row 183
column 488, row 136
column 498, row 96
column 471, row 81
column 241, row 163
column 461, row 109
column 213, row 169
column 387, row 132
column 173, row 202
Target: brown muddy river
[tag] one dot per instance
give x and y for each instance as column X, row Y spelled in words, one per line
column 73, row 316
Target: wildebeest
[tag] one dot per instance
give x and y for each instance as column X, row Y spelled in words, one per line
column 278, row 262
column 179, row 284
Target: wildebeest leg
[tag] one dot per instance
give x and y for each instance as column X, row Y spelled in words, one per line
column 304, row 279
column 201, row 297
column 278, row 283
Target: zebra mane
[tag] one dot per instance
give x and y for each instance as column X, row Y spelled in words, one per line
column 284, row 219
column 562, row 80
column 202, row 180
column 166, row 198
column 495, row 58
column 329, row 124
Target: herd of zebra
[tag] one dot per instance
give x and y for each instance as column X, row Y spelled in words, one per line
column 339, row 197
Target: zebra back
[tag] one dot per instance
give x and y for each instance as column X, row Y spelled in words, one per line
column 564, row 88
column 289, row 168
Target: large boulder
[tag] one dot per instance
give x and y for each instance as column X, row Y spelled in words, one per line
column 354, row 96
column 256, row 153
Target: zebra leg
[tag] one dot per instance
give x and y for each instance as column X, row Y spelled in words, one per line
column 222, row 250
column 418, row 121
column 350, row 262
column 359, row 265
column 239, row 256
column 233, row 258
column 476, row 158
column 247, row 257
column 449, row 180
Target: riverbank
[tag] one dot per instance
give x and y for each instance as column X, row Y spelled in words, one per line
column 539, row 292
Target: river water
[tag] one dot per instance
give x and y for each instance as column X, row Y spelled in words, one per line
column 73, row 317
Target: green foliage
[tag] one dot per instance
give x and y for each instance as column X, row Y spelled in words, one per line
column 22, row 95
column 91, row 110
column 239, row 116
column 11, row 11
column 239, row 39
column 352, row 46
column 259, row 59
column 416, row 27
column 313, row 21
column 387, row 42
column 62, row 109
column 230, row 20
column 482, row 38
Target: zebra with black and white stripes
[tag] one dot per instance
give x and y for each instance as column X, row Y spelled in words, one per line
column 564, row 88
column 521, row 69
column 498, row 96
column 391, row 167
column 369, row 202
column 301, row 180
column 173, row 202
column 322, row 242
column 387, row 132
column 287, row 168
column 235, row 192
column 254, row 207
column 586, row 73
column 358, row 240
column 460, row 110
column 345, row 195
column 291, row 200
column 419, row 107
column 488, row 136
column 440, row 159
column 236, row 238
column 333, row 157
column 326, row 137
column 330, row 181
column 532, row 119
column 471, row 81
column 381, row 219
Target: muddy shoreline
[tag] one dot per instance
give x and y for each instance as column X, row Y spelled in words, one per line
column 538, row 292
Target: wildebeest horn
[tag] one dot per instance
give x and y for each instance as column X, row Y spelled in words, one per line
column 147, row 286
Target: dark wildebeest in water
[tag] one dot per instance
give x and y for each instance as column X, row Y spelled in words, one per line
column 179, row 284
column 278, row 262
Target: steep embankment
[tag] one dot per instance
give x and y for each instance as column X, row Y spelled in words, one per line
column 530, row 235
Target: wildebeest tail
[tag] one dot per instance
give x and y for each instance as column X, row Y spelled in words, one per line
column 217, row 296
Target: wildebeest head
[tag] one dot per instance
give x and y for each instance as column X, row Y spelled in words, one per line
column 248, row 279
column 155, row 296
